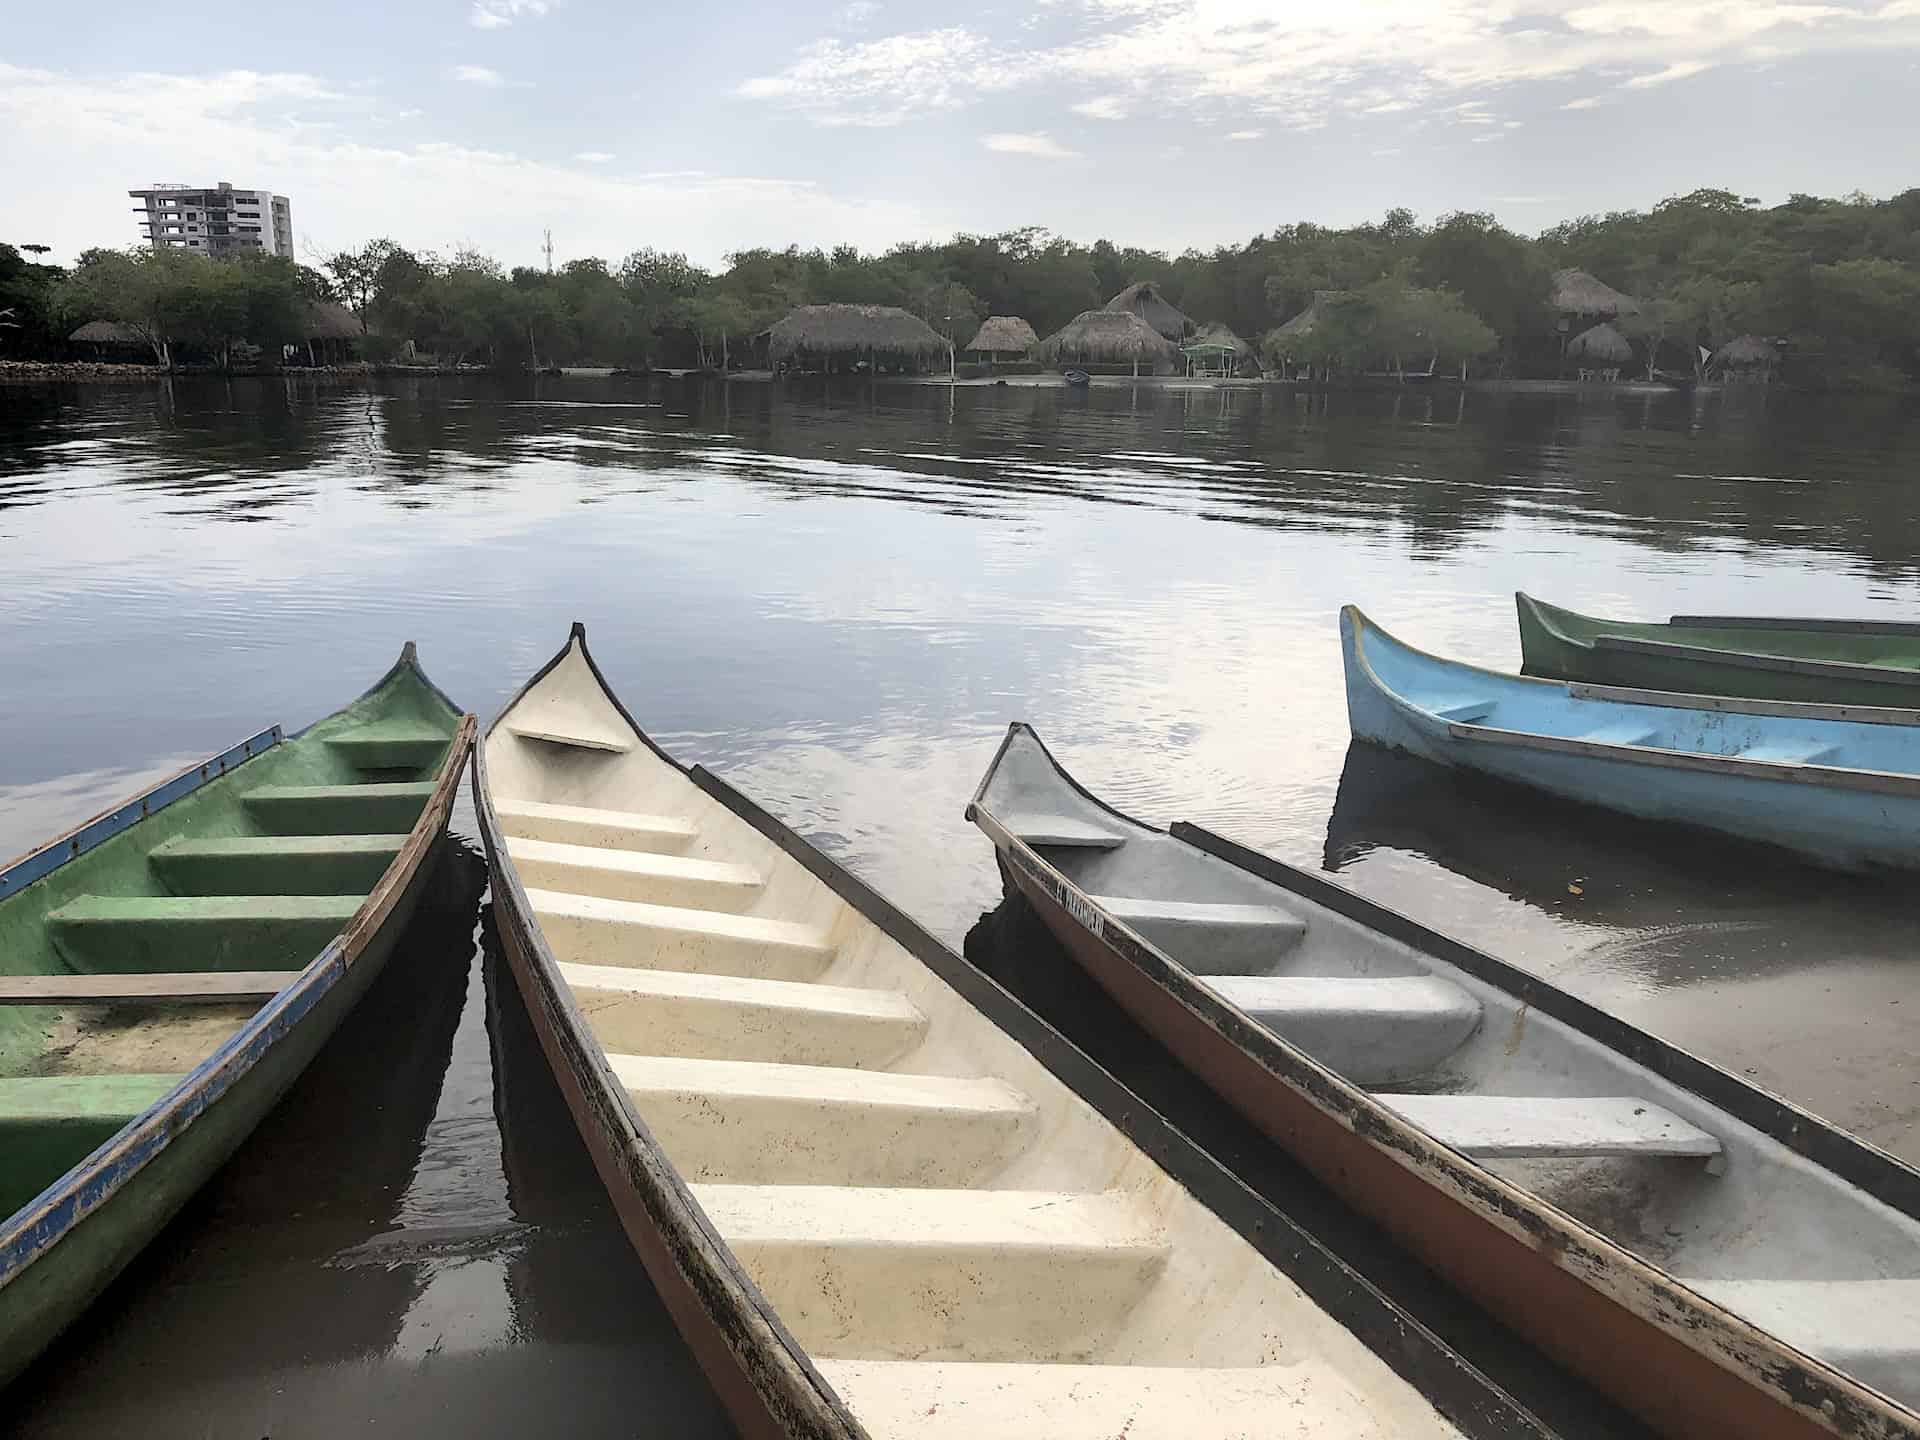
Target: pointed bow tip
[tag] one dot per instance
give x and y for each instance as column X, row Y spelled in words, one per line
column 578, row 632
column 410, row 654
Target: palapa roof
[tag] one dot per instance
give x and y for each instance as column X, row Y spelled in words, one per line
column 1216, row 336
column 853, row 330
column 1005, row 335
column 1575, row 292
column 1745, row 353
column 1143, row 298
column 107, row 332
column 1602, row 342
column 1303, row 323
column 1107, row 337
column 329, row 321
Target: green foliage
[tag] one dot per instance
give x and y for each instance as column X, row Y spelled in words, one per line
column 1836, row 282
column 28, row 323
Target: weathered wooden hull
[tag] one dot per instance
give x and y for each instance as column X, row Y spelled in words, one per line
column 52, row 1292
column 65, row 1244
column 1595, row 1310
column 1837, row 784
column 1816, row 662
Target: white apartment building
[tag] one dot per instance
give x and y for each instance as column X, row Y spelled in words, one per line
column 214, row 220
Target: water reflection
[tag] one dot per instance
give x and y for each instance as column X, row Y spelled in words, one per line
column 838, row 596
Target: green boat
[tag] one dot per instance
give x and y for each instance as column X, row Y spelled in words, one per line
column 1833, row 662
column 168, row 969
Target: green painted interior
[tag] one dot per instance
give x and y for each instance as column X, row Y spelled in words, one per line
column 48, row 1124
column 215, row 881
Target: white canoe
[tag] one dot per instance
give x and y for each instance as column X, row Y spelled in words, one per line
column 878, row 1195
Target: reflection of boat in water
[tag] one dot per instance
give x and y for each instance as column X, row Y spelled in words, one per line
column 1576, row 1176
column 278, row 1291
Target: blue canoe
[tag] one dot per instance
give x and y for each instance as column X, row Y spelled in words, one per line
column 1839, row 783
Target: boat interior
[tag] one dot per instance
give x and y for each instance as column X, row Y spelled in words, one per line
column 129, row 964
column 1460, row 694
column 959, row 1242
column 1733, row 1213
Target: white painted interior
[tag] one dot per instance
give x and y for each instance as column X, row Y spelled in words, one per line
column 964, row 1246
column 1728, row 1210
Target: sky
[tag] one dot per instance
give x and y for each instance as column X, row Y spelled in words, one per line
column 708, row 128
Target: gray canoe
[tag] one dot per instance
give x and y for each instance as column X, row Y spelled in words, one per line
column 1712, row 1257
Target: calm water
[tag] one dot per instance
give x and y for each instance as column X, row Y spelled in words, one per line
column 838, row 600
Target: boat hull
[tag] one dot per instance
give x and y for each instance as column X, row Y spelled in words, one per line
column 68, row 1276
column 1849, row 819
column 1514, row 1266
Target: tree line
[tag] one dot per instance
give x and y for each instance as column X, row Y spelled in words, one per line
column 1834, row 283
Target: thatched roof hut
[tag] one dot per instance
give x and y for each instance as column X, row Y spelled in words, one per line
column 1107, row 337
column 853, row 330
column 1575, row 292
column 328, row 321
column 1602, row 343
column 1145, row 300
column 107, row 332
column 1749, row 352
column 1302, row 324
column 1004, row 335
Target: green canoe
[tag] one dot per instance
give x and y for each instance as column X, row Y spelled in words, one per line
column 169, row 968
column 1834, row 662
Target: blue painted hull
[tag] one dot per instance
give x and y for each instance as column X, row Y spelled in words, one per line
column 1840, row 785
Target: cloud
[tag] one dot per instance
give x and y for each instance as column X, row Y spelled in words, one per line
column 354, row 180
column 1300, row 66
column 498, row 14
column 1246, row 134
column 479, row 75
column 858, row 11
column 1041, row 146
column 1585, row 102
column 840, row 84
column 1679, row 70
column 1106, row 107
column 594, row 157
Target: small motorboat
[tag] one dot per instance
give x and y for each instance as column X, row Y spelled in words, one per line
column 168, row 969
column 1707, row 1255
column 1076, row 379
column 1839, row 784
column 1833, row 662
column 879, row 1196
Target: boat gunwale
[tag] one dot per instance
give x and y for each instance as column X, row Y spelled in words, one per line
column 793, row 1393
column 85, row 1187
column 1787, row 622
column 1803, row 1383
column 43, row 859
